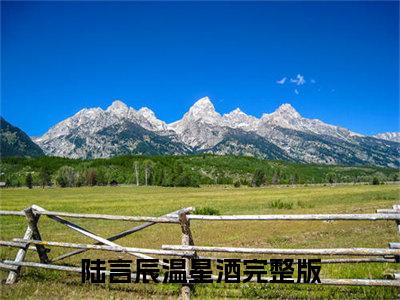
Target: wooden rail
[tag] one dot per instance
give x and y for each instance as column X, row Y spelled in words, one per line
column 309, row 217
column 187, row 250
column 328, row 251
column 390, row 215
column 21, row 243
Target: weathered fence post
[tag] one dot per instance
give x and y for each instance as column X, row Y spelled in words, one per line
column 32, row 232
column 397, row 208
column 33, row 224
column 187, row 240
column 13, row 275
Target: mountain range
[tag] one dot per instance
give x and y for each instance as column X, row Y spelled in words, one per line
column 283, row 134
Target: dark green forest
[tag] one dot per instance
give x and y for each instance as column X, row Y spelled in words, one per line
column 193, row 171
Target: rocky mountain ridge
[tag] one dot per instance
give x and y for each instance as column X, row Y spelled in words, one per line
column 282, row 134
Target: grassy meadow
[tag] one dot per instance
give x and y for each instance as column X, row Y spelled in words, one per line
column 156, row 201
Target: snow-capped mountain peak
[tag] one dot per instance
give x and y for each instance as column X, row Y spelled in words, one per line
column 154, row 123
column 196, row 124
column 203, row 109
column 235, row 112
column 204, row 102
column 118, row 108
column 284, row 116
column 238, row 119
column 287, row 110
column 147, row 113
column 88, row 112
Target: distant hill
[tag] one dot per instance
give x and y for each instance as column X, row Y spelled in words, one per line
column 15, row 142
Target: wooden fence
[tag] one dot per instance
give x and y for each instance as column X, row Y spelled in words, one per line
column 32, row 240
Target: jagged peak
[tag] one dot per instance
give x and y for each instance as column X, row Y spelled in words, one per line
column 148, row 114
column 236, row 111
column 203, row 103
column 284, row 110
column 287, row 107
column 89, row 110
column 203, row 109
column 117, row 105
column 146, row 111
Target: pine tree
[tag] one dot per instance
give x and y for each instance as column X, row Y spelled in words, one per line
column 29, row 180
column 259, row 178
column 44, row 175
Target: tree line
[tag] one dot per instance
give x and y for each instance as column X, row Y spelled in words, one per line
column 180, row 171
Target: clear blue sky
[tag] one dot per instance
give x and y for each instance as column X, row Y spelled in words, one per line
column 60, row 57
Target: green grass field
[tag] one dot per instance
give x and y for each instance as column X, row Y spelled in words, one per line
column 156, row 201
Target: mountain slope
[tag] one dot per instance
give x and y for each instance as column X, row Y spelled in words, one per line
column 241, row 143
column 15, row 142
column 116, row 139
column 310, row 147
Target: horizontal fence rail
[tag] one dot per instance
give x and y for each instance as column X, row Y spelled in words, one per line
column 328, row 251
column 21, row 243
column 394, row 245
column 392, row 215
column 308, row 217
column 12, row 213
column 32, row 240
column 110, row 217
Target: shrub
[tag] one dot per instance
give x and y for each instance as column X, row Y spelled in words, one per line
column 186, row 180
column 66, row 177
column 278, row 204
column 91, row 177
column 259, row 178
column 375, row 181
column 45, row 177
column 207, row 210
column 29, row 180
column 395, row 177
column 236, row 184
